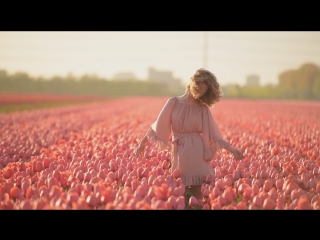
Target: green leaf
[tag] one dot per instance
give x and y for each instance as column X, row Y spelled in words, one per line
column 238, row 199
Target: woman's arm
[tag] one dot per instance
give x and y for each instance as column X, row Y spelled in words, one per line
column 236, row 153
column 213, row 140
column 160, row 130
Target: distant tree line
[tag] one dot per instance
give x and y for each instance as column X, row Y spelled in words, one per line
column 302, row 83
column 85, row 85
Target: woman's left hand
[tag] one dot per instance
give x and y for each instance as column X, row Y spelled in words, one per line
column 237, row 154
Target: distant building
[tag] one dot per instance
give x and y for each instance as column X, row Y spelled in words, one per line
column 253, row 80
column 164, row 77
column 124, row 76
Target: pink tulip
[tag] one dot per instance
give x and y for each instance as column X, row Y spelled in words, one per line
column 180, row 203
column 176, row 173
column 269, row 204
column 178, row 182
column 242, row 206
column 205, row 192
column 279, row 183
column 216, row 192
column 216, row 206
column 193, row 201
column 257, row 201
column 228, row 196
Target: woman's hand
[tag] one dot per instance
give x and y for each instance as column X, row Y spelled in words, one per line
column 139, row 150
column 237, row 154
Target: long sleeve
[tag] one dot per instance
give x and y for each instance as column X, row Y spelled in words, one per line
column 160, row 130
column 212, row 138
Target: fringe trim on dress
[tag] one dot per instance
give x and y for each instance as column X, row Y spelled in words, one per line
column 160, row 144
column 193, row 180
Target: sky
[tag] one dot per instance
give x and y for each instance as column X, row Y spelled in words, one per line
column 230, row 55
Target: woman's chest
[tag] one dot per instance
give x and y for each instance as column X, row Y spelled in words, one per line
column 188, row 117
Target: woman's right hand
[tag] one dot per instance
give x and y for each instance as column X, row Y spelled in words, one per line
column 139, row 150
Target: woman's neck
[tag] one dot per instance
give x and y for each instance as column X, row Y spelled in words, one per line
column 189, row 98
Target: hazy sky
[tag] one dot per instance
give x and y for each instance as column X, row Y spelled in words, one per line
column 231, row 56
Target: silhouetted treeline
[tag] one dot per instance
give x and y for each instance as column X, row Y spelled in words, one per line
column 85, row 85
column 302, row 83
column 266, row 92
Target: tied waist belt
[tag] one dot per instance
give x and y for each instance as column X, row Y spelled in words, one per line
column 178, row 137
column 178, row 140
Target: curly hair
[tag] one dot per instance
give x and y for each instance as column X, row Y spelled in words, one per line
column 214, row 92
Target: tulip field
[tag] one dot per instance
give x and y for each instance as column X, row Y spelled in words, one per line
column 10, row 98
column 82, row 157
column 10, row 102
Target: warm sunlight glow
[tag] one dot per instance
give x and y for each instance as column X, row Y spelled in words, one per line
column 232, row 56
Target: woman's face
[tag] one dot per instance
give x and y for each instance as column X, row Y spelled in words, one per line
column 200, row 90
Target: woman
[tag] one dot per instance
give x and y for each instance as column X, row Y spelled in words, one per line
column 195, row 136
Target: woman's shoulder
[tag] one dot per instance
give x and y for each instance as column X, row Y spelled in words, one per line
column 170, row 102
column 179, row 99
column 172, row 99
